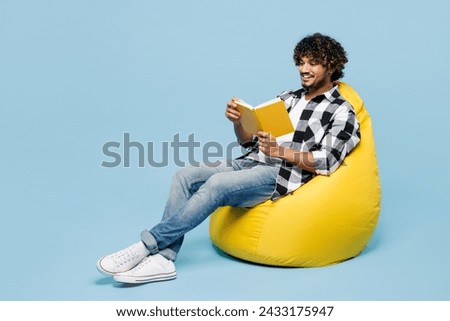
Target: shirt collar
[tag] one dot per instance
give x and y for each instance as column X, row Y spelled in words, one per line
column 330, row 95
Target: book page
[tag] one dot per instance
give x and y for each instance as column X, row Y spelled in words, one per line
column 243, row 103
column 270, row 102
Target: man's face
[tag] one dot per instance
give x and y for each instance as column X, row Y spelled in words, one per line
column 314, row 76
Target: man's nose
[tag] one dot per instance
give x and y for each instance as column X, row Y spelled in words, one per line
column 303, row 68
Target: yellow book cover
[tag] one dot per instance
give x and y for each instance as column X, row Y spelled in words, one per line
column 271, row 117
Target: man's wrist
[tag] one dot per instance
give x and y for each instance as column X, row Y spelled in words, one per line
column 281, row 152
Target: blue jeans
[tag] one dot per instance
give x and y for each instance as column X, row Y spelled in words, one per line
column 196, row 192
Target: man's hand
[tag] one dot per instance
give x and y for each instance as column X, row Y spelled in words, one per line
column 231, row 112
column 268, row 144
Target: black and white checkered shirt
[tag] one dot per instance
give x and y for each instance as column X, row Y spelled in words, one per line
column 327, row 128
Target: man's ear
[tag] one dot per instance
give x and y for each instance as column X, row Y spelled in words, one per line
column 330, row 72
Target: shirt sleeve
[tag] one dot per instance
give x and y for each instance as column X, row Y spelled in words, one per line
column 340, row 138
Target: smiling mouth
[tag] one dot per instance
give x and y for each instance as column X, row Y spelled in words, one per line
column 306, row 77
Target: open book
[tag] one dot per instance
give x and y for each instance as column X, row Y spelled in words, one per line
column 271, row 117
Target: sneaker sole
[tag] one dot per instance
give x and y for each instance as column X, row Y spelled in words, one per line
column 144, row 279
column 102, row 271
column 106, row 272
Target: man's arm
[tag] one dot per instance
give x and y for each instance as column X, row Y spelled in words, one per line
column 235, row 117
column 269, row 146
column 342, row 136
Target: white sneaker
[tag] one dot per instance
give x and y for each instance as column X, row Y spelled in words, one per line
column 151, row 269
column 123, row 260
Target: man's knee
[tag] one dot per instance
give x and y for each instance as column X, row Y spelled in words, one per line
column 182, row 174
column 218, row 185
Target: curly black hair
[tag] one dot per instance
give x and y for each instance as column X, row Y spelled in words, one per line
column 326, row 50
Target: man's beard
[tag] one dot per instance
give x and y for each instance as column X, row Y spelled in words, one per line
column 314, row 86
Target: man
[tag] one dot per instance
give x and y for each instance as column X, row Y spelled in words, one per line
column 326, row 131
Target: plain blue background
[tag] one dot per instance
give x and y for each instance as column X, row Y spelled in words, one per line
column 77, row 74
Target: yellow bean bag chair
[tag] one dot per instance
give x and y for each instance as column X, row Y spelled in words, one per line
column 328, row 220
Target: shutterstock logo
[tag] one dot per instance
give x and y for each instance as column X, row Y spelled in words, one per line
column 180, row 152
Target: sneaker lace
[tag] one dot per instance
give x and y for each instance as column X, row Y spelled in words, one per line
column 143, row 263
column 125, row 256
